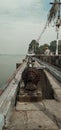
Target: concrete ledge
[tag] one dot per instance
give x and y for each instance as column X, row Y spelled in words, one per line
column 8, row 97
column 56, row 86
column 57, row 95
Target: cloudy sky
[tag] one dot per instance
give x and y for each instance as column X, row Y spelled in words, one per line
column 20, row 22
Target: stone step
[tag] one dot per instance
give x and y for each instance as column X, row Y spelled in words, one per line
column 29, row 98
column 29, row 106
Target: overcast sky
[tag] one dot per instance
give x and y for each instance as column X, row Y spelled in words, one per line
column 20, row 22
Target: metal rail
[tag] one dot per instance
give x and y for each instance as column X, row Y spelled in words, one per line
column 52, row 70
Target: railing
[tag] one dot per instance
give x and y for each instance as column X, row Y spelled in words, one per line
column 54, row 60
column 52, row 69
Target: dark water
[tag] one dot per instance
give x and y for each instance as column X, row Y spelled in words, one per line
column 8, row 66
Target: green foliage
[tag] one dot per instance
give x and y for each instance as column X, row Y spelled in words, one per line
column 34, row 46
column 52, row 46
column 59, row 47
column 42, row 48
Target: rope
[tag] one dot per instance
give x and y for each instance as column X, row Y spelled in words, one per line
column 42, row 32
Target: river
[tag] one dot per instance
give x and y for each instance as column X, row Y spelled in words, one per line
column 8, row 66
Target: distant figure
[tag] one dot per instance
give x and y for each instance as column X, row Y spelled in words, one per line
column 47, row 51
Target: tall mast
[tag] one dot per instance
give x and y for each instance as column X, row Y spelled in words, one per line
column 58, row 23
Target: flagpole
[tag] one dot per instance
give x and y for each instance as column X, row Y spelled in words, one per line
column 57, row 41
column 57, row 29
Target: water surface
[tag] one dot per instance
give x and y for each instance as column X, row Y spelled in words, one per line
column 8, row 66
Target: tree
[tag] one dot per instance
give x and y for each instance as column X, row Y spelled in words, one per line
column 59, row 47
column 33, row 46
column 42, row 48
column 53, row 47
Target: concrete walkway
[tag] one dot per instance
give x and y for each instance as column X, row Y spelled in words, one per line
column 35, row 116
column 43, row 115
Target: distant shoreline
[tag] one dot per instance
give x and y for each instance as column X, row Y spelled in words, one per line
column 13, row 54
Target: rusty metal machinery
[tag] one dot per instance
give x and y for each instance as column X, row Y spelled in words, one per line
column 34, row 85
column 31, row 76
column 30, row 92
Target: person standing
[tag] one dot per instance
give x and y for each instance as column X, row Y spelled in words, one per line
column 47, row 51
